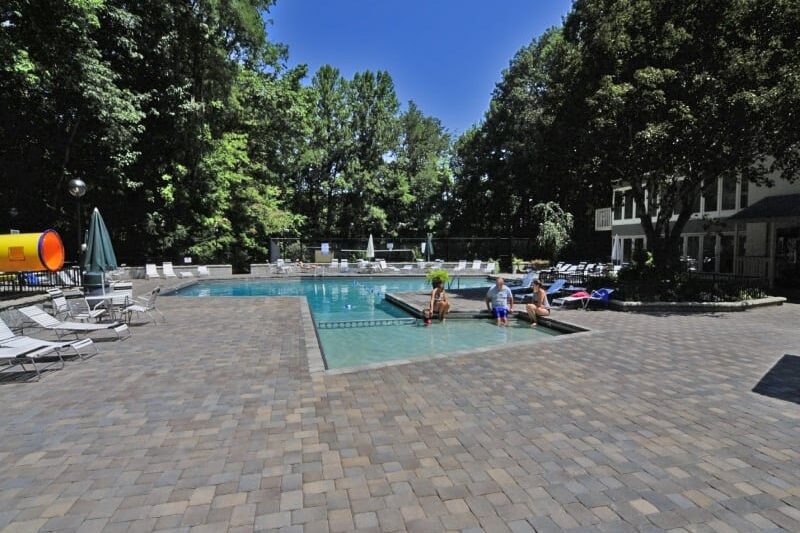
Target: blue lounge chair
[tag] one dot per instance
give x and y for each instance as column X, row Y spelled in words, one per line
column 525, row 284
column 554, row 288
column 600, row 295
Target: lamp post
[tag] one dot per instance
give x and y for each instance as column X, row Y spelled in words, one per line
column 77, row 188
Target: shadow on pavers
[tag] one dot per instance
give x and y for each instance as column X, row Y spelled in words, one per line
column 782, row 381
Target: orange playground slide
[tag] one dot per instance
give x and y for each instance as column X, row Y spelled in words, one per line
column 31, row 251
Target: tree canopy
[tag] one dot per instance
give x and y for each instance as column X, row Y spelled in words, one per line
column 195, row 137
column 663, row 95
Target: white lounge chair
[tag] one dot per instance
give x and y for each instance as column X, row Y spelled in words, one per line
column 45, row 321
column 383, row 266
column 169, row 272
column 408, row 267
column 25, row 355
column 489, row 268
column 476, row 265
column 334, row 265
column 343, row 267
column 203, row 271
column 145, row 306
column 9, row 340
column 280, row 266
column 462, row 265
column 151, row 271
column 420, row 264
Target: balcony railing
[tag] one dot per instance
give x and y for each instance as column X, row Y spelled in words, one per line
column 602, row 219
column 755, row 267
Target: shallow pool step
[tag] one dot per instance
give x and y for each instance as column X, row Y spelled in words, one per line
column 366, row 323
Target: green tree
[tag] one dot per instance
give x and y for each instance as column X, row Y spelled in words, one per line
column 554, row 228
column 322, row 181
column 373, row 107
column 415, row 198
column 64, row 111
column 515, row 158
column 673, row 95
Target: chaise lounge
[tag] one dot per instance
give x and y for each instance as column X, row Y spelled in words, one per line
column 40, row 318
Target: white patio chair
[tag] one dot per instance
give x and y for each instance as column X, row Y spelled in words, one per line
column 79, row 310
column 343, row 266
column 151, row 271
column 202, row 271
column 476, row 265
column 489, row 269
column 462, row 265
column 58, row 301
column 145, row 306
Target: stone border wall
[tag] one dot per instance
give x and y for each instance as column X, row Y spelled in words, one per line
column 694, row 307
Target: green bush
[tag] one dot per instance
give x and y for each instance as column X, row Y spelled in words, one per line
column 438, row 274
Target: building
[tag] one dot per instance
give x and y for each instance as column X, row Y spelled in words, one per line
column 736, row 228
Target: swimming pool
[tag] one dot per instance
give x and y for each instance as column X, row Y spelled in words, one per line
column 382, row 332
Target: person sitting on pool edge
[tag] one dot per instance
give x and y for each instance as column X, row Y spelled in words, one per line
column 540, row 305
column 439, row 303
column 500, row 301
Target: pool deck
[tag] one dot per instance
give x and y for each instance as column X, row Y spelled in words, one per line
column 214, row 423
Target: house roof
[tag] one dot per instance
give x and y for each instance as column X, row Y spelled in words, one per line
column 783, row 206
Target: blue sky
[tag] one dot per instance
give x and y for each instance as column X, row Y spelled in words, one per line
column 446, row 55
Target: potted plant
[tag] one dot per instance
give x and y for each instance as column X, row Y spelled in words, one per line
column 438, row 274
column 516, row 264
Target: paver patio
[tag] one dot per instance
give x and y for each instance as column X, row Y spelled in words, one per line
column 213, row 423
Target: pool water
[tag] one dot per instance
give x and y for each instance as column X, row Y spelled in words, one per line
column 346, row 347
column 347, row 302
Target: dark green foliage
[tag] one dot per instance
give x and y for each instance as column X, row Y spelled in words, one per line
column 658, row 94
column 194, row 136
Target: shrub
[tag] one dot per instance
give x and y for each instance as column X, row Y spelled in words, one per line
column 438, row 274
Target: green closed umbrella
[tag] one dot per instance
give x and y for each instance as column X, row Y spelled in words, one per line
column 99, row 256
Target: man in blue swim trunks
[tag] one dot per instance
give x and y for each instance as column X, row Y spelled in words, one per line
column 500, row 301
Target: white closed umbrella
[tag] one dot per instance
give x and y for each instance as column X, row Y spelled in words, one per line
column 370, row 248
column 616, row 249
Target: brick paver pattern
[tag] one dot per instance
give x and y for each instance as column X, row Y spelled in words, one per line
column 213, row 423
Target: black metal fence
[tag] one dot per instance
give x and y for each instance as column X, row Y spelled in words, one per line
column 12, row 283
column 577, row 279
column 500, row 249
